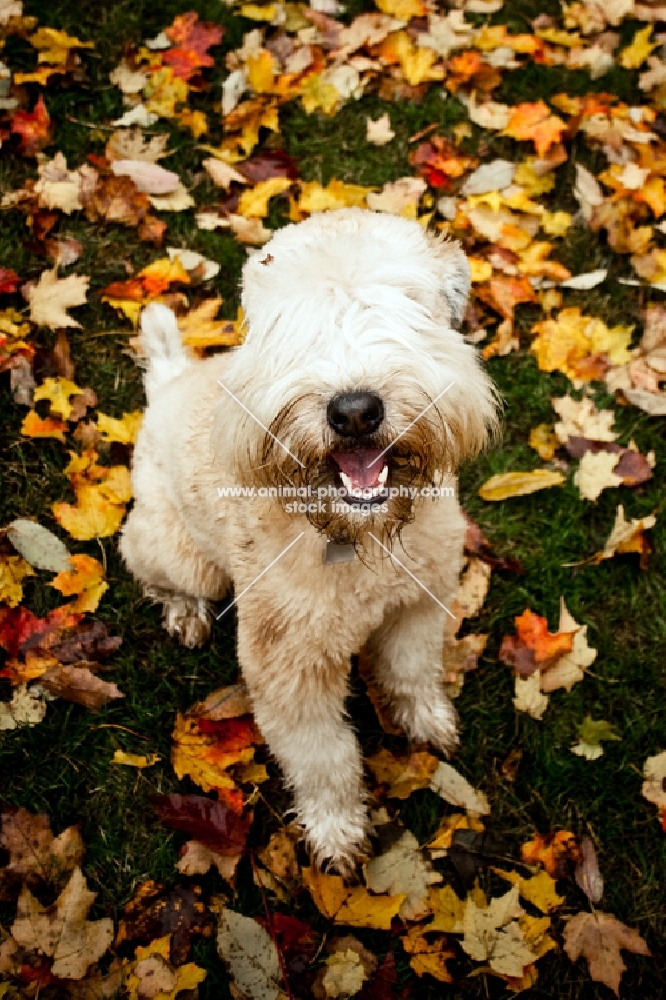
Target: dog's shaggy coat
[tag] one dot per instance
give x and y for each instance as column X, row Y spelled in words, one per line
column 346, row 302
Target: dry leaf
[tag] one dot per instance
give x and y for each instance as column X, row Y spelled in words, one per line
column 402, row 869
column 518, row 484
column 600, row 937
column 62, row 930
column 51, row 297
column 456, row 790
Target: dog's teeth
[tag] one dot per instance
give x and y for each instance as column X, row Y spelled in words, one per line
column 382, row 477
column 347, row 483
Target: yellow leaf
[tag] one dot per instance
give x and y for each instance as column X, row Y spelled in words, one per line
column 640, row 48
column 482, row 270
column 402, row 10
column 256, row 13
column 518, row 484
column 196, row 121
column 576, row 344
column 93, row 515
column 443, row 838
column 86, row 579
column 189, row 757
column 362, row 909
column 13, row 569
column 544, row 441
column 428, row 955
column 403, row 775
column 200, row 329
column 318, row 94
column 54, row 45
column 58, row 392
column 153, row 960
column 315, row 198
column 448, row 908
column 328, row 891
column 164, row 91
column 261, row 71
column 253, row 203
column 123, row 430
column 135, row 759
column 538, row 890
column 50, row 427
column 130, row 309
column 417, row 64
column 536, row 123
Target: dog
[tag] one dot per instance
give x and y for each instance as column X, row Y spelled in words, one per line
column 343, row 416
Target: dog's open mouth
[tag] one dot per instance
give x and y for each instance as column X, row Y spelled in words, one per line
column 362, row 475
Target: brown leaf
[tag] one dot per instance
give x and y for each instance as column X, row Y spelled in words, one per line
column 34, row 853
column 77, row 683
column 62, row 931
column 600, row 937
column 62, row 358
column 156, row 911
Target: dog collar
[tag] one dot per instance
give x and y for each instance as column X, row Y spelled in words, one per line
column 338, row 552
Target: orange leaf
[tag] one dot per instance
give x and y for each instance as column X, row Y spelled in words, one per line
column 50, row 427
column 559, row 852
column 537, row 123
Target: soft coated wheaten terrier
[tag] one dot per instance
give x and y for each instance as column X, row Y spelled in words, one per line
column 352, row 380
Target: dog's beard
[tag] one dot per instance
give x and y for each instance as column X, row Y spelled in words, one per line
column 392, row 469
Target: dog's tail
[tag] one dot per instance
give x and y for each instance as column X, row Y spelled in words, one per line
column 166, row 356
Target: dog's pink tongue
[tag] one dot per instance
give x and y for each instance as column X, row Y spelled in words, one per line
column 363, row 466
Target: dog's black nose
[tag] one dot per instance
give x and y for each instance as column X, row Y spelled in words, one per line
column 355, row 414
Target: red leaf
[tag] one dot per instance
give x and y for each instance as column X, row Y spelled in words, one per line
column 8, row 281
column 21, row 630
column 193, row 39
column 206, row 820
column 34, row 127
column 267, row 164
column 231, row 734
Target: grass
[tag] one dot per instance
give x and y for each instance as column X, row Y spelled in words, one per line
column 62, row 766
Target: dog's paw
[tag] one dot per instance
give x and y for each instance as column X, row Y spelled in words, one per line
column 337, row 842
column 187, row 619
column 433, row 721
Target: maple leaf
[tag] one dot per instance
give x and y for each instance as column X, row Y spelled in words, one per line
column 34, row 853
column 34, row 127
column 535, row 122
column 123, row 430
column 85, row 578
column 628, row 536
column 534, row 647
column 51, row 297
column 600, row 938
column 193, row 39
column 13, row 569
column 654, row 786
column 559, row 852
column 152, row 974
column 58, row 391
column 401, row 868
column 428, row 955
column 62, row 931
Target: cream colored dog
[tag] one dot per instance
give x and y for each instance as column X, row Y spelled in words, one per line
column 352, row 399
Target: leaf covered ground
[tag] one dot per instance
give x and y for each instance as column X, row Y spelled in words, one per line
column 146, row 150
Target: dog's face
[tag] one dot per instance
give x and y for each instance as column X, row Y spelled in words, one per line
column 355, row 387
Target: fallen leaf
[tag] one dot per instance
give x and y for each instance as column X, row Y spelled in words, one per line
column 628, row 536
column 78, row 684
column 428, row 955
column 401, row 867
column 654, row 786
column 403, row 775
column 600, row 937
column 379, row 132
column 218, row 828
column 528, row 695
column 518, row 484
column 34, row 853
column 13, row 569
column 250, row 954
column 51, row 297
column 156, row 912
column 62, row 930
column 26, row 708
column 590, row 735
column 560, row 853
column 587, row 874
column 456, row 790
column 135, row 759
column 596, row 473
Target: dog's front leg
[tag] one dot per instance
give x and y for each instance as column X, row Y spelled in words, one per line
column 298, row 695
column 407, row 655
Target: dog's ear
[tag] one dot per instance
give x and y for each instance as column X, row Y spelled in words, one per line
column 455, row 276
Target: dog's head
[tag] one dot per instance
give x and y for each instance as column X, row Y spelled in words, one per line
column 353, row 379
